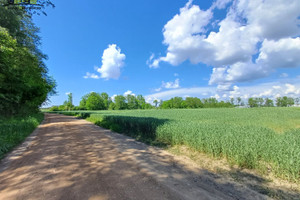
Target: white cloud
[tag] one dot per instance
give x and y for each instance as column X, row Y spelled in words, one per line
column 182, row 92
column 169, row 85
column 91, row 75
column 270, row 90
column 112, row 62
column 269, row 29
column 67, row 93
column 216, row 96
column 276, row 87
column 176, row 75
column 220, row 4
column 148, row 62
column 291, row 89
column 129, row 92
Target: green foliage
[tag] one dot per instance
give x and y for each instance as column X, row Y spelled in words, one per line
column 14, row 130
column 284, row 101
column 106, row 100
column 132, row 102
column 94, row 102
column 24, row 82
column 257, row 138
column 141, row 102
column 120, row 103
column 193, row 102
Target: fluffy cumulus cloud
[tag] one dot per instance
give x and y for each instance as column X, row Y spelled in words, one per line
column 169, row 85
column 129, row 92
column 254, row 39
column 112, row 62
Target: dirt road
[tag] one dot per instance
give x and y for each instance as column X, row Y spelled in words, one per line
column 67, row 158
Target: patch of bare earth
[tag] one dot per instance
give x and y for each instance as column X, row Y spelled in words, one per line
column 67, row 158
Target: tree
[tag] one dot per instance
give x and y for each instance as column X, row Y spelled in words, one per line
column 290, row 101
column 132, row 102
column 112, row 106
column 252, row 102
column 106, row 100
column 155, row 103
column 24, row 83
column 269, row 102
column 30, row 7
column 232, row 101
column 297, row 100
column 260, row 101
column 284, row 101
column 166, row 104
column 141, row 102
column 82, row 103
column 193, row 102
column 70, row 102
column 239, row 101
column 177, row 102
column 94, row 102
column 120, row 102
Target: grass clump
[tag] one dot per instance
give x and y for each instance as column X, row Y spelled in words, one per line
column 14, row 130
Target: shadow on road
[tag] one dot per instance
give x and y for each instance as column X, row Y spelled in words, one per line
column 74, row 159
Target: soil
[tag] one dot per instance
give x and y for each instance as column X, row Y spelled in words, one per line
column 69, row 158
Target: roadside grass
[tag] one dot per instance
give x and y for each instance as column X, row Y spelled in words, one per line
column 266, row 139
column 14, row 130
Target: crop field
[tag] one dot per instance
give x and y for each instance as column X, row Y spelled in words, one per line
column 261, row 138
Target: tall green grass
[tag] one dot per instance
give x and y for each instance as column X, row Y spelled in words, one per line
column 13, row 131
column 262, row 138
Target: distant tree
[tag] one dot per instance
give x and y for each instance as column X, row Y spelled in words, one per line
column 106, row 100
column 252, row 102
column 166, row 104
column 177, row 102
column 155, row 103
column 297, row 100
column 120, row 102
column 69, row 104
column 210, row 103
column 260, row 102
column 132, row 102
column 94, row 102
column 290, row 101
column 269, row 102
column 141, row 102
column 82, row 103
column 193, row 102
column 284, row 101
column 232, row 101
column 239, row 101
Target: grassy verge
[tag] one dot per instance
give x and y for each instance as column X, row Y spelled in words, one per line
column 13, row 131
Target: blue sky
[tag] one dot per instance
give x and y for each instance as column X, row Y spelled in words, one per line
column 162, row 49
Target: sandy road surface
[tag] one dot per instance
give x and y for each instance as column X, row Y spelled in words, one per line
column 66, row 158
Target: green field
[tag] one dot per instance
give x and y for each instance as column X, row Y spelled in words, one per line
column 261, row 138
column 14, row 130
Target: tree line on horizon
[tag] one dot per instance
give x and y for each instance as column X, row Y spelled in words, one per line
column 102, row 101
